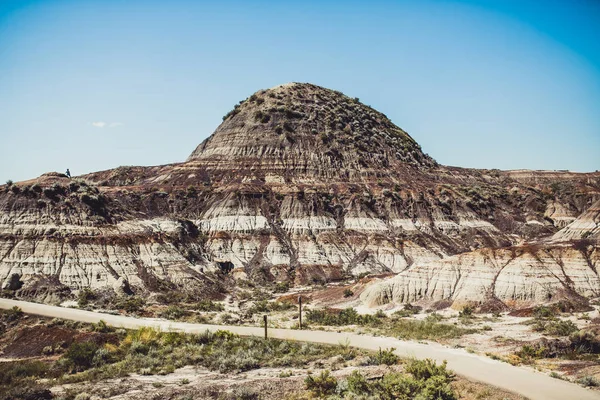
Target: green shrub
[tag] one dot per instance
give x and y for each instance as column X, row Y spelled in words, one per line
column 322, row 385
column 532, row 352
column 556, row 375
column 27, row 392
column 398, row 386
column 14, row 282
column 81, row 355
column 428, row 329
column 588, row 381
column 102, row 327
column 12, row 314
column 262, row 117
column 281, row 287
column 544, row 312
column 357, row 383
column 261, row 306
column 233, row 112
column 384, row 357
column 264, row 306
column 243, row 392
column 85, row 296
column 173, row 312
column 438, row 388
column 288, row 127
column 348, row 293
column 585, row 342
column 466, row 312
column 130, row 304
column 428, row 382
column 15, row 371
column 560, row 328
column 407, row 311
column 208, row 306
column 335, row 317
column 425, row 369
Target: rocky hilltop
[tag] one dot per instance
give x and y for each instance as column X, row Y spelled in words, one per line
column 306, row 185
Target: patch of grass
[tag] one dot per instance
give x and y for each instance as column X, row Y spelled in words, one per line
column 149, row 352
column 335, row 317
column 428, row 329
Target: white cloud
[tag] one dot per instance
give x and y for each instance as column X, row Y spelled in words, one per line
column 102, row 124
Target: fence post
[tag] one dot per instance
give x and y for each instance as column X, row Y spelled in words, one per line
column 300, row 309
column 265, row 319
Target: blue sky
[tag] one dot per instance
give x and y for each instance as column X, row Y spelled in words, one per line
column 91, row 85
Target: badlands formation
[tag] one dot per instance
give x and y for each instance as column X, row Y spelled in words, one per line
column 306, row 185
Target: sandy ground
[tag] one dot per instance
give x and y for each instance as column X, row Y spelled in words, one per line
column 521, row 380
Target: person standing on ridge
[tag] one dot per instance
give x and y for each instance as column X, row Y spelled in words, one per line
column 68, row 173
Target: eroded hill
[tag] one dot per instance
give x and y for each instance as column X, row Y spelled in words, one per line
column 301, row 184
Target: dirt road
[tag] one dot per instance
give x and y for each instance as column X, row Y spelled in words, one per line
column 521, row 380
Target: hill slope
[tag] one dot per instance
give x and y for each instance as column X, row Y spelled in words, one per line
column 299, row 183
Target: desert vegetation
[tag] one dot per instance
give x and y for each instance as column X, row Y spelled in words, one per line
column 420, row 379
column 105, row 353
column 397, row 325
column 75, row 361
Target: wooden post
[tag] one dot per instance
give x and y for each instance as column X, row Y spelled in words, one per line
column 265, row 318
column 300, row 309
